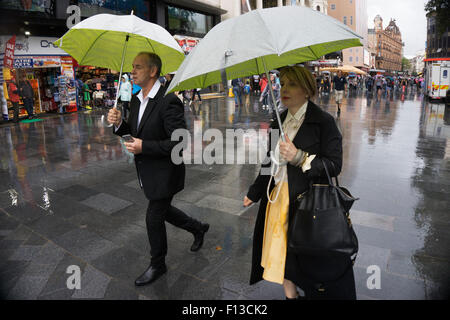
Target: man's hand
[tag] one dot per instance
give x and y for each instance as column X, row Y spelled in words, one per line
column 114, row 117
column 134, row 147
column 287, row 149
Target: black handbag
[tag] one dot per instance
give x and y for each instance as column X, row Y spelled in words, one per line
column 322, row 225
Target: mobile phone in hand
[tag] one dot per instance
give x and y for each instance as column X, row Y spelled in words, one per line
column 127, row 138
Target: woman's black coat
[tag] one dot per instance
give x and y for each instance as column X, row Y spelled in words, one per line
column 318, row 135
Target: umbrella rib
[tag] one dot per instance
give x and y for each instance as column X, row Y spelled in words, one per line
column 315, row 56
column 268, row 30
column 93, row 44
column 150, row 44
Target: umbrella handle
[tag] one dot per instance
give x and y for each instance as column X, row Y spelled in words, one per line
column 269, row 83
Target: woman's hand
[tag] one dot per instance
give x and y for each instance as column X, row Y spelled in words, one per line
column 247, row 202
column 287, row 149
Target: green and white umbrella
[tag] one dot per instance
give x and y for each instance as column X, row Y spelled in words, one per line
column 112, row 41
column 262, row 40
column 100, row 41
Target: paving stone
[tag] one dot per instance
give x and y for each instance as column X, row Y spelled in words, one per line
column 373, row 220
column 118, row 290
column 50, row 226
column 393, row 287
column 106, row 203
column 20, row 233
column 56, row 286
column 78, row 192
column 84, row 244
column 49, row 254
column 370, row 255
column 27, row 288
column 122, row 263
column 93, row 284
column 25, row 253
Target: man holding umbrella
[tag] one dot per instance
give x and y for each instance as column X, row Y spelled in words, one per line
column 153, row 117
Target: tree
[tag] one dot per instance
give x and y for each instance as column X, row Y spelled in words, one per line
column 406, row 65
column 442, row 10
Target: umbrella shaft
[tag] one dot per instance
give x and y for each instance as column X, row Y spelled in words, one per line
column 269, row 83
column 121, row 68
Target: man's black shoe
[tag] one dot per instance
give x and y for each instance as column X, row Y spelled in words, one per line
column 150, row 275
column 198, row 237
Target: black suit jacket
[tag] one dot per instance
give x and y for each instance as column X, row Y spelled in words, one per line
column 159, row 176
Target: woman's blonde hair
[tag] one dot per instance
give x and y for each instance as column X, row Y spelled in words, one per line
column 303, row 77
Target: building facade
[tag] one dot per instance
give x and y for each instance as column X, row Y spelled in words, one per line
column 353, row 13
column 438, row 45
column 235, row 8
column 417, row 64
column 372, row 47
column 389, row 46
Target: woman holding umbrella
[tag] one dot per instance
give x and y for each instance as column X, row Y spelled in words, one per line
column 311, row 136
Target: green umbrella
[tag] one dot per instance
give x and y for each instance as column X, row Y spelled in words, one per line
column 262, row 40
column 112, row 41
column 100, row 41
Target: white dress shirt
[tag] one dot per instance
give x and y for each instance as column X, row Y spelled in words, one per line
column 151, row 94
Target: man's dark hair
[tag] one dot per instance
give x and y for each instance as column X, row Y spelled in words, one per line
column 153, row 60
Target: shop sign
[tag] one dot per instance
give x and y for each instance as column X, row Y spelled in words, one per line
column 187, row 44
column 8, row 61
column 23, row 63
column 67, row 67
column 46, row 62
column 37, row 46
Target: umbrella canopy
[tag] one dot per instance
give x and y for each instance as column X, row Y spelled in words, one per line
column 259, row 41
column 345, row 69
column 99, row 41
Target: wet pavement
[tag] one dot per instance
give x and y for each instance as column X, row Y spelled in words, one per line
column 69, row 196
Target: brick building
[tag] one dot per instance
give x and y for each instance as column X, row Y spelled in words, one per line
column 389, row 46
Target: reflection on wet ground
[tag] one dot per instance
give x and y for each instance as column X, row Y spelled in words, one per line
column 69, row 196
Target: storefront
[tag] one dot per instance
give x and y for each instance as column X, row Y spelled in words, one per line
column 49, row 70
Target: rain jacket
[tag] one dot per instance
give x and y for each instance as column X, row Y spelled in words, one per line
column 125, row 89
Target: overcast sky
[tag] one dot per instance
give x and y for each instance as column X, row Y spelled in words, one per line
column 410, row 18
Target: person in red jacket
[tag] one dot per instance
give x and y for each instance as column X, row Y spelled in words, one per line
column 13, row 93
column 262, row 85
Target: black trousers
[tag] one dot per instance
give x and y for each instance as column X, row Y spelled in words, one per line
column 15, row 111
column 28, row 103
column 158, row 212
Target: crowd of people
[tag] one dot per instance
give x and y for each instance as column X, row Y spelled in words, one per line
column 326, row 83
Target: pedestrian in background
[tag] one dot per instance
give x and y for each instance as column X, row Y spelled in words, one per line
column 339, row 86
column 196, row 91
column 262, row 85
column 311, row 137
column 256, row 88
column 27, row 94
column 266, row 95
column 237, row 91
column 125, row 95
column 13, row 93
column 247, row 90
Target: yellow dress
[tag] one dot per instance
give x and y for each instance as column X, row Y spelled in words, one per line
column 275, row 235
column 274, row 249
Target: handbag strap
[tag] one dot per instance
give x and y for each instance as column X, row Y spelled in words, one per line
column 328, row 175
